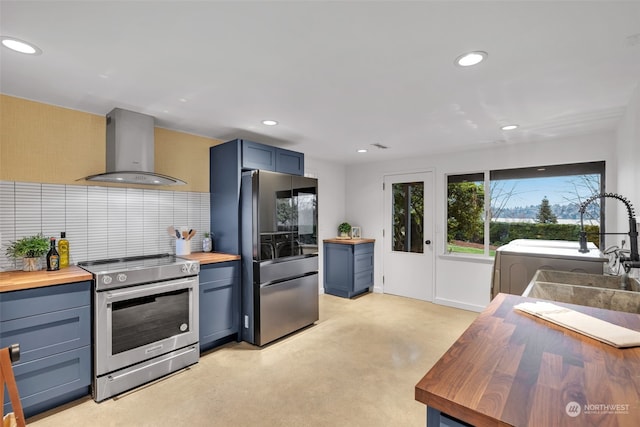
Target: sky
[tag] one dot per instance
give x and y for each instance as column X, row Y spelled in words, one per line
column 526, row 192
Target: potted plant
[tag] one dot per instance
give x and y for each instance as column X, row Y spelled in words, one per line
column 344, row 229
column 30, row 249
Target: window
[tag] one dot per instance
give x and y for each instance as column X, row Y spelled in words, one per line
column 408, row 212
column 489, row 209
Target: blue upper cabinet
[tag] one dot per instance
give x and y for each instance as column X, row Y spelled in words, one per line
column 258, row 156
column 288, row 161
column 266, row 157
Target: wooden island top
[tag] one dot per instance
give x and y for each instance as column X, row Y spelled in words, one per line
column 512, row 369
column 20, row 280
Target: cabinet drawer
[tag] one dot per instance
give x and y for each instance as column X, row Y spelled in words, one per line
column 362, row 280
column 48, row 378
column 222, row 274
column 363, row 262
column 30, row 302
column 46, row 334
column 363, row 248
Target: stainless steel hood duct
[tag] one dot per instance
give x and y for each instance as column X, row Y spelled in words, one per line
column 130, row 151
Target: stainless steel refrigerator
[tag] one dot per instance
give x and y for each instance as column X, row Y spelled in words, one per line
column 279, row 217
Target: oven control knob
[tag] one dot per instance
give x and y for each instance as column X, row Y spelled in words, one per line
column 106, row 280
column 121, row 277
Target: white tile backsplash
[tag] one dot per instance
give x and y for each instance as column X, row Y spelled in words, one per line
column 77, row 226
column 7, row 222
column 28, row 209
column 181, row 209
column 116, row 222
column 151, row 228
column 165, row 219
column 97, row 216
column 134, row 205
column 100, row 222
column 53, row 210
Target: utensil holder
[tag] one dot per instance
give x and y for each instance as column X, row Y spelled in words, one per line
column 183, row 247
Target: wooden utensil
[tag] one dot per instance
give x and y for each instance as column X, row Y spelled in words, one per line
column 172, row 231
column 191, row 234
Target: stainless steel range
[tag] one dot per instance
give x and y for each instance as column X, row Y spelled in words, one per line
column 145, row 320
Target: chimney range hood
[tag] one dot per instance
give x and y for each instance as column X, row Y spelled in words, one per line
column 130, row 151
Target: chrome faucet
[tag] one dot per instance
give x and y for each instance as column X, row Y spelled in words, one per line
column 633, row 260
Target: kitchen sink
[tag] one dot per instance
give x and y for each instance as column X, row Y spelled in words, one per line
column 594, row 290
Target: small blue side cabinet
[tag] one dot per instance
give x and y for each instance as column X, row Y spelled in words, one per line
column 219, row 303
column 348, row 266
column 52, row 325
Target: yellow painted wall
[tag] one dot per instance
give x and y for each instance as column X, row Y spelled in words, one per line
column 55, row 145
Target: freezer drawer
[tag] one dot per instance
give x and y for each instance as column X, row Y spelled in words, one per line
column 273, row 271
column 286, row 307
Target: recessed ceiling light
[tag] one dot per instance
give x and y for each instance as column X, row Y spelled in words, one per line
column 509, row 127
column 269, row 122
column 21, row 46
column 471, row 58
column 362, row 150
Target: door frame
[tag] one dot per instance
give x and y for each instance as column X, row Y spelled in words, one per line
column 432, row 222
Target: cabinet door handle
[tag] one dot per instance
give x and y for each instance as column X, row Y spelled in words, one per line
column 428, row 242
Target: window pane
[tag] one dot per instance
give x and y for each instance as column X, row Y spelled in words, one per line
column 408, row 215
column 465, row 213
column 546, row 208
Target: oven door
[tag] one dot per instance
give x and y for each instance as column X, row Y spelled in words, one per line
column 141, row 322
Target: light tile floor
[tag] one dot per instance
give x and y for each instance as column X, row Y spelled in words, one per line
column 357, row 366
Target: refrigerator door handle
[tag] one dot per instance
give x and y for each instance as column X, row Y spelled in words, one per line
column 285, row 279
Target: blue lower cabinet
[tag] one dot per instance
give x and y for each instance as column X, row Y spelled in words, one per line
column 348, row 268
column 52, row 325
column 51, row 381
column 436, row 418
column 219, row 303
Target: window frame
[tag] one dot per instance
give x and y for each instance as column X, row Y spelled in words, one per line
column 545, row 171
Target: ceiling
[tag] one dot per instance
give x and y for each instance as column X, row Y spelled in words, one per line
column 337, row 75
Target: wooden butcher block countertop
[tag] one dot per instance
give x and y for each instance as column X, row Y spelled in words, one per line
column 211, row 257
column 20, row 280
column 512, row 369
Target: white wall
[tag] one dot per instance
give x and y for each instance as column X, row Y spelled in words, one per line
column 331, row 201
column 462, row 282
column 628, row 155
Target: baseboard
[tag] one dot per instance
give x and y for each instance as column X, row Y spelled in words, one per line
column 458, row 304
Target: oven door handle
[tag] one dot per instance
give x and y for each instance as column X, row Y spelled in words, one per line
column 141, row 291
